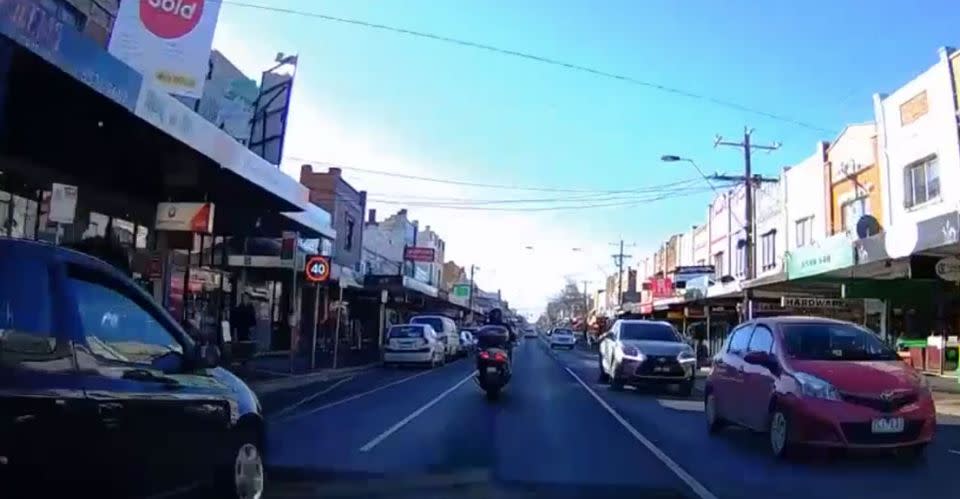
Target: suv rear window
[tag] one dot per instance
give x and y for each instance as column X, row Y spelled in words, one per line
column 435, row 322
column 563, row 332
column 405, row 332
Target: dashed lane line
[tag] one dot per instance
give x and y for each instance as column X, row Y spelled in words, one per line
column 403, row 422
column 362, row 394
column 682, row 474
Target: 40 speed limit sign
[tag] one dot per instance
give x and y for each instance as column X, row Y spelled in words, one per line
column 317, row 268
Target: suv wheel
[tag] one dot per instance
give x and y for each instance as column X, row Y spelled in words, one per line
column 244, row 478
column 604, row 377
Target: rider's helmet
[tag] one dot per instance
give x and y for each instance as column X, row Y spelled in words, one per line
column 495, row 316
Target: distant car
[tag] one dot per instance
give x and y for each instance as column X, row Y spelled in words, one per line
column 562, row 338
column 467, row 339
column 414, row 344
column 530, row 333
column 638, row 352
column 818, row 382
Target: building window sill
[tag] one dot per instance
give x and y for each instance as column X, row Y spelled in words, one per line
column 924, row 205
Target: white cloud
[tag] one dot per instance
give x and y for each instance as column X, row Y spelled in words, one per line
column 495, row 241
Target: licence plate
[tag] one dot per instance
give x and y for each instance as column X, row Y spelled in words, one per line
column 491, row 370
column 887, row 425
column 661, row 369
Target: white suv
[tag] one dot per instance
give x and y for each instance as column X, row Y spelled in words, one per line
column 562, row 338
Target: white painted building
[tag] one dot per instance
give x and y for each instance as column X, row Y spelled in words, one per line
column 384, row 241
column 685, row 256
column 919, row 149
column 804, row 201
column 701, row 245
column 770, row 234
column 432, row 271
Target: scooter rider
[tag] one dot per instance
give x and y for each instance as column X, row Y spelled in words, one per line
column 488, row 337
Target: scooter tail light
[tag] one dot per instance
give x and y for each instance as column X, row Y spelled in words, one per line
column 484, row 355
column 500, row 357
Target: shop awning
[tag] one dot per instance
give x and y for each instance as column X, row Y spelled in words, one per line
column 345, row 276
column 131, row 161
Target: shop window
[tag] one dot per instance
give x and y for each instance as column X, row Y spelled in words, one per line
column 851, row 211
column 768, row 250
column 804, row 231
column 921, row 182
column 718, row 265
column 348, row 242
column 18, row 216
column 65, row 13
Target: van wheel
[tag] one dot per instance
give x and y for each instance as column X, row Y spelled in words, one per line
column 604, row 377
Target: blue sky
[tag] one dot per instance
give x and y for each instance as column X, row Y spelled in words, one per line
column 386, row 101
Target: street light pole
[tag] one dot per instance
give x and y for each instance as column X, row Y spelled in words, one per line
column 470, row 305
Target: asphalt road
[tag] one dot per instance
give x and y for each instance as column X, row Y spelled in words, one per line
column 431, row 433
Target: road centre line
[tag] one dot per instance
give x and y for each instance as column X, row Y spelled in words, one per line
column 290, row 408
column 691, row 482
column 400, row 424
column 363, row 394
column 953, row 451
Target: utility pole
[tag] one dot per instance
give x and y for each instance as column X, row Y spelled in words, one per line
column 748, row 180
column 619, row 258
column 470, row 306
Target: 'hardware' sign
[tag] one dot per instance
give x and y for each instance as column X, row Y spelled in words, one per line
column 812, row 302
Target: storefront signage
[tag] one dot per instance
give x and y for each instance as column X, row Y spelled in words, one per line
column 167, row 40
column 189, row 217
column 63, row 203
column 317, row 268
column 833, row 253
column 461, row 290
column 419, row 254
column 948, row 269
column 661, row 287
column 38, row 30
column 813, row 302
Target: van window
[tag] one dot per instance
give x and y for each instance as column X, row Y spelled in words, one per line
column 405, row 332
column 435, row 322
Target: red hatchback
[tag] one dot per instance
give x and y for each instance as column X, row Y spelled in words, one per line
column 818, row 382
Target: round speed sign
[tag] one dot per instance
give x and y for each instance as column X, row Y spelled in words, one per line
column 317, row 268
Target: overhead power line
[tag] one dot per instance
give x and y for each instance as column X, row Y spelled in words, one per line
column 536, row 58
column 484, row 185
column 582, row 204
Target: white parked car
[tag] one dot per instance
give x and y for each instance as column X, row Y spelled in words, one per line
column 414, row 344
column 446, row 330
column 646, row 352
column 562, row 338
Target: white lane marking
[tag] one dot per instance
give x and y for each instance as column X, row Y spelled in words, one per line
column 400, row 424
column 691, row 482
column 290, row 408
column 362, row 394
column 952, row 451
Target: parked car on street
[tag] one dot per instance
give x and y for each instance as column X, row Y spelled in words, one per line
column 646, row 352
column 467, row 339
column 818, row 382
column 446, row 330
column 562, row 338
column 102, row 391
column 530, row 332
column 414, row 344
